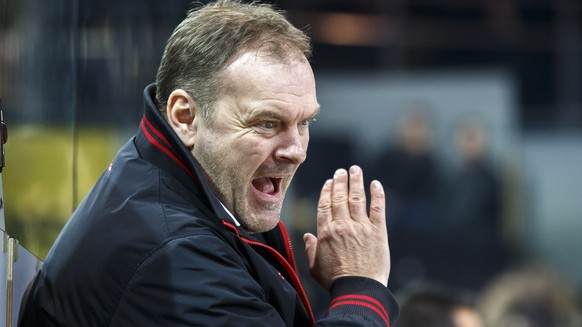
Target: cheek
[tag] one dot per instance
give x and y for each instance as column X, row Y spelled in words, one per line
column 256, row 149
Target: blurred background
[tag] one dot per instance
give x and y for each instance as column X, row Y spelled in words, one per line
column 469, row 112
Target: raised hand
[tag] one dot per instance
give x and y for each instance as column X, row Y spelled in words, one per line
column 349, row 242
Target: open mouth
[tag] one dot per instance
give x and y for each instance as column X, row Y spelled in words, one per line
column 267, row 185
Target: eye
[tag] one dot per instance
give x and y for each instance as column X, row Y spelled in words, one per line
column 269, row 124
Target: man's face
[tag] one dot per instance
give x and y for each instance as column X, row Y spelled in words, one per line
column 257, row 136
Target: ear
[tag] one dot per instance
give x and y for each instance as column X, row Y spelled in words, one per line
column 181, row 111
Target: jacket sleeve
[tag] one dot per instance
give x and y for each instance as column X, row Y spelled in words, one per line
column 194, row 281
column 360, row 301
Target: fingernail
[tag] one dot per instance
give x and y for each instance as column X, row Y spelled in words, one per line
column 354, row 170
column 377, row 186
column 339, row 172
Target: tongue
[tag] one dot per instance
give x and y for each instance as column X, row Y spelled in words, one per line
column 264, row 184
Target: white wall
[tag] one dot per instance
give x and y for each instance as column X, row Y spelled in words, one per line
column 553, row 164
column 368, row 105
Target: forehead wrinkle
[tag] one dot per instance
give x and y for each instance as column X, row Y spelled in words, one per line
column 262, row 94
column 240, row 67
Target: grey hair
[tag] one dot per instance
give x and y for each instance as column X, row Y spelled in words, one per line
column 211, row 37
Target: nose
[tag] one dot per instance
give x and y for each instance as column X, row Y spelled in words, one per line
column 293, row 147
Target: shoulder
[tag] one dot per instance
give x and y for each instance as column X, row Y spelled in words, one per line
column 193, row 279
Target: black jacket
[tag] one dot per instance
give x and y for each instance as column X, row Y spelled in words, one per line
column 151, row 245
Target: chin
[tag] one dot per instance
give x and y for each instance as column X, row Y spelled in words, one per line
column 261, row 224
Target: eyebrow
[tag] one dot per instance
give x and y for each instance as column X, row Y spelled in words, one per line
column 269, row 113
column 317, row 111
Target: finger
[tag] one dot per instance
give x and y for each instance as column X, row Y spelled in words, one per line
column 324, row 214
column 310, row 249
column 357, row 195
column 339, row 195
column 377, row 205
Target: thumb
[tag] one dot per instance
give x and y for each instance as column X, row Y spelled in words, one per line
column 310, row 248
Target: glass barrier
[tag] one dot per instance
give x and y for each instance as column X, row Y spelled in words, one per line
column 18, row 268
column 71, row 78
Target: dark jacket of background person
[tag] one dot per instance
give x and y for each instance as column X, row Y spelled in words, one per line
column 150, row 247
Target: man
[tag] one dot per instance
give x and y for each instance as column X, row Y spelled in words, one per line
column 183, row 228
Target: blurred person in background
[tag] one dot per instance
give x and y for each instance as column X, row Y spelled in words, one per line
column 530, row 296
column 409, row 172
column 183, row 228
column 436, row 306
column 469, row 230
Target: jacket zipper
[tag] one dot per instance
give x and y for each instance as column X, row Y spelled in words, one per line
column 289, row 267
